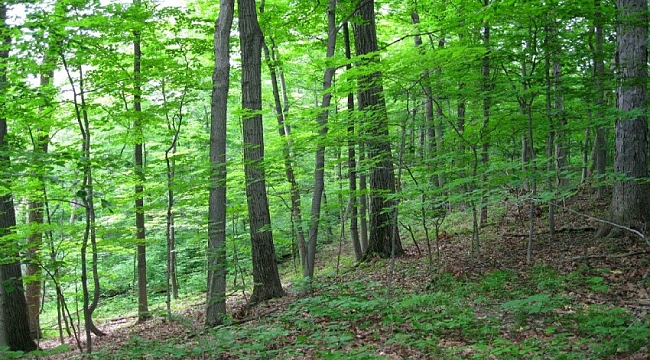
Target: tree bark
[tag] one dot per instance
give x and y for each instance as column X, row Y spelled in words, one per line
column 319, row 171
column 600, row 146
column 486, row 88
column 352, row 158
column 14, row 315
column 285, row 132
column 382, row 173
column 216, row 297
column 140, row 238
column 630, row 195
column 265, row 270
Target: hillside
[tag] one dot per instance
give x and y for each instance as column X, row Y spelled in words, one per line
column 581, row 299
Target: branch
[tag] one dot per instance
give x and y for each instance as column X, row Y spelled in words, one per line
column 634, row 231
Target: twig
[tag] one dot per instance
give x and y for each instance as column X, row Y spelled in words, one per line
column 605, row 256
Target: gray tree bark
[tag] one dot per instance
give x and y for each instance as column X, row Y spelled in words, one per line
column 143, row 303
column 216, row 297
column 14, row 319
column 319, row 171
column 383, row 239
column 265, row 270
column 630, row 196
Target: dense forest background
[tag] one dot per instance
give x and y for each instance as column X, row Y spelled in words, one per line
column 154, row 150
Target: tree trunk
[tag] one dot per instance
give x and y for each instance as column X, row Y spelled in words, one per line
column 382, row 174
column 600, row 146
column 630, row 196
column 486, row 87
column 550, row 140
column 363, row 202
column 285, row 132
column 14, row 315
column 143, row 306
column 265, row 271
column 216, row 297
column 352, row 158
column 560, row 123
column 319, row 171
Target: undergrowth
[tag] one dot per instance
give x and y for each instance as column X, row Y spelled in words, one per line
column 503, row 314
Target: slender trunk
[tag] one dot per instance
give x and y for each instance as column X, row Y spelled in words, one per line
column 285, row 132
column 363, row 202
column 550, row 141
column 319, row 172
column 143, row 306
column 487, row 104
column 600, row 147
column 440, row 145
column 174, row 128
column 352, row 158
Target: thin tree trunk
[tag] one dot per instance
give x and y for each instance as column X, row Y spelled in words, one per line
column 600, row 146
column 352, row 158
column 174, row 128
column 550, row 141
column 319, row 172
column 143, row 304
column 285, row 132
column 486, row 85
column 561, row 146
column 363, row 202
column 440, row 145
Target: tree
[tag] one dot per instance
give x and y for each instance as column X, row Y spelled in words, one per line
column 630, row 195
column 216, row 297
column 143, row 307
column 284, row 130
column 352, row 158
column 319, row 171
column 40, row 141
column 600, row 150
column 265, row 270
column 14, row 325
column 384, row 239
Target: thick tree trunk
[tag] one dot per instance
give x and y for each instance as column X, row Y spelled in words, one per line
column 265, row 270
column 14, row 315
column 382, row 175
column 216, row 297
column 630, row 196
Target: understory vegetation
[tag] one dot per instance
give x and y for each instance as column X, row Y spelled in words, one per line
column 582, row 299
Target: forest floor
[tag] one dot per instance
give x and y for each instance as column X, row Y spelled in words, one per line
column 580, row 298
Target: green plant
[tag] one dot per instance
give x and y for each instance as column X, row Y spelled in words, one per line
column 615, row 330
